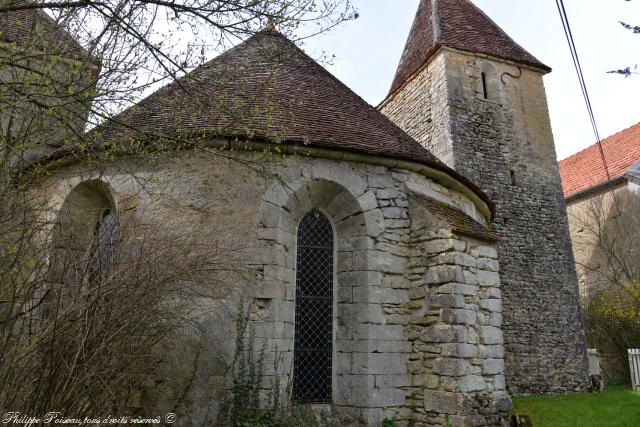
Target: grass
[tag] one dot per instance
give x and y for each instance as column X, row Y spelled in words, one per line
column 618, row 406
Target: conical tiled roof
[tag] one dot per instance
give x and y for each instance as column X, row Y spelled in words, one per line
column 36, row 29
column 458, row 24
column 267, row 89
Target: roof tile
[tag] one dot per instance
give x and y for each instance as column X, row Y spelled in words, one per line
column 585, row 169
column 33, row 27
column 459, row 221
column 268, row 89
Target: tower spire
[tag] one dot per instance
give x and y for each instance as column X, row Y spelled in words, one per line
column 461, row 25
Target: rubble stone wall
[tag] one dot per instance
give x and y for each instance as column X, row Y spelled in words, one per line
column 504, row 144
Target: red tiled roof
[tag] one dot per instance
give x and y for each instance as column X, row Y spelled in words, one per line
column 458, row 24
column 34, row 28
column 585, row 169
column 268, row 89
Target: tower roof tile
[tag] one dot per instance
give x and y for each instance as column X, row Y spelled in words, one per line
column 458, row 24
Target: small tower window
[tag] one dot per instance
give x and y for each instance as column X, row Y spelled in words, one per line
column 512, row 176
column 313, row 345
column 485, row 90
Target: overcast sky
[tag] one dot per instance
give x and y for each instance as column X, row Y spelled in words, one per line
column 368, row 50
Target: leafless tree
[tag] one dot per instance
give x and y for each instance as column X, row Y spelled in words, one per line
column 83, row 311
column 609, row 239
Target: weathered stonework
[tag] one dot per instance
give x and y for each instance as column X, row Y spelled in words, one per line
column 504, row 144
column 417, row 306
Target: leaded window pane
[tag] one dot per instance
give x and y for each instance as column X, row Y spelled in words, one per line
column 313, row 347
column 105, row 238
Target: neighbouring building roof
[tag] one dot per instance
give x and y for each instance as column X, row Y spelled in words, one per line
column 585, row 169
column 458, row 24
column 34, row 28
column 267, row 89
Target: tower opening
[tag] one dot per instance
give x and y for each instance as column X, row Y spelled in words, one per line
column 485, row 91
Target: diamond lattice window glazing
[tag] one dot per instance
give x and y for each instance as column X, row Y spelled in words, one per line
column 314, row 310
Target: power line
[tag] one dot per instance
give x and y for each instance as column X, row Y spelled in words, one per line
column 583, row 86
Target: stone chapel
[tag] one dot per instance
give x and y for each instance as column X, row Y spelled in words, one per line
column 410, row 261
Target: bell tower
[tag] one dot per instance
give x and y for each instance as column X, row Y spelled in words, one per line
column 475, row 98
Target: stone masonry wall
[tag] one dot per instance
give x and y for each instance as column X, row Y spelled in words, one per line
column 456, row 366
column 504, row 144
column 393, row 355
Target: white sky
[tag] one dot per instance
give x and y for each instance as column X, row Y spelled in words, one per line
column 368, row 50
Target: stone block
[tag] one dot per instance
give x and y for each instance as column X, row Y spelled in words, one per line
column 499, row 382
column 491, row 351
column 270, row 289
column 493, row 366
column 484, row 252
column 388, row 193
column 500, row 402
column 488, row 264
column 345, row 295
column 438, row 246
column 495, row 319
column 443, row 334
column 430, row 381
column 464, row 260
column 452, row 367
column 464, row 351
column 488, row 278
column 355, row 381
column 492, row 305
column 471, row 383
column 494, row 293
column 272, row 216
column 491, row 335
column 441, row 402
column 355, row 243
column 367, row 313
column 378, row 332
column 345, row 262
column 470, row 278
column 465, row 317
column 375, row 222
column 394, row 213
column 380, row 180
column 368, row 201
column 390, row 381
column 444, row 274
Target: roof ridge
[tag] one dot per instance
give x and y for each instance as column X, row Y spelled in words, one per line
column 435, row 21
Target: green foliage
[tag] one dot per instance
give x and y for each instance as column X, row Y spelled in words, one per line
column 616, row 407
column 612, row 319
column 389, row 423
column 244, row 409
